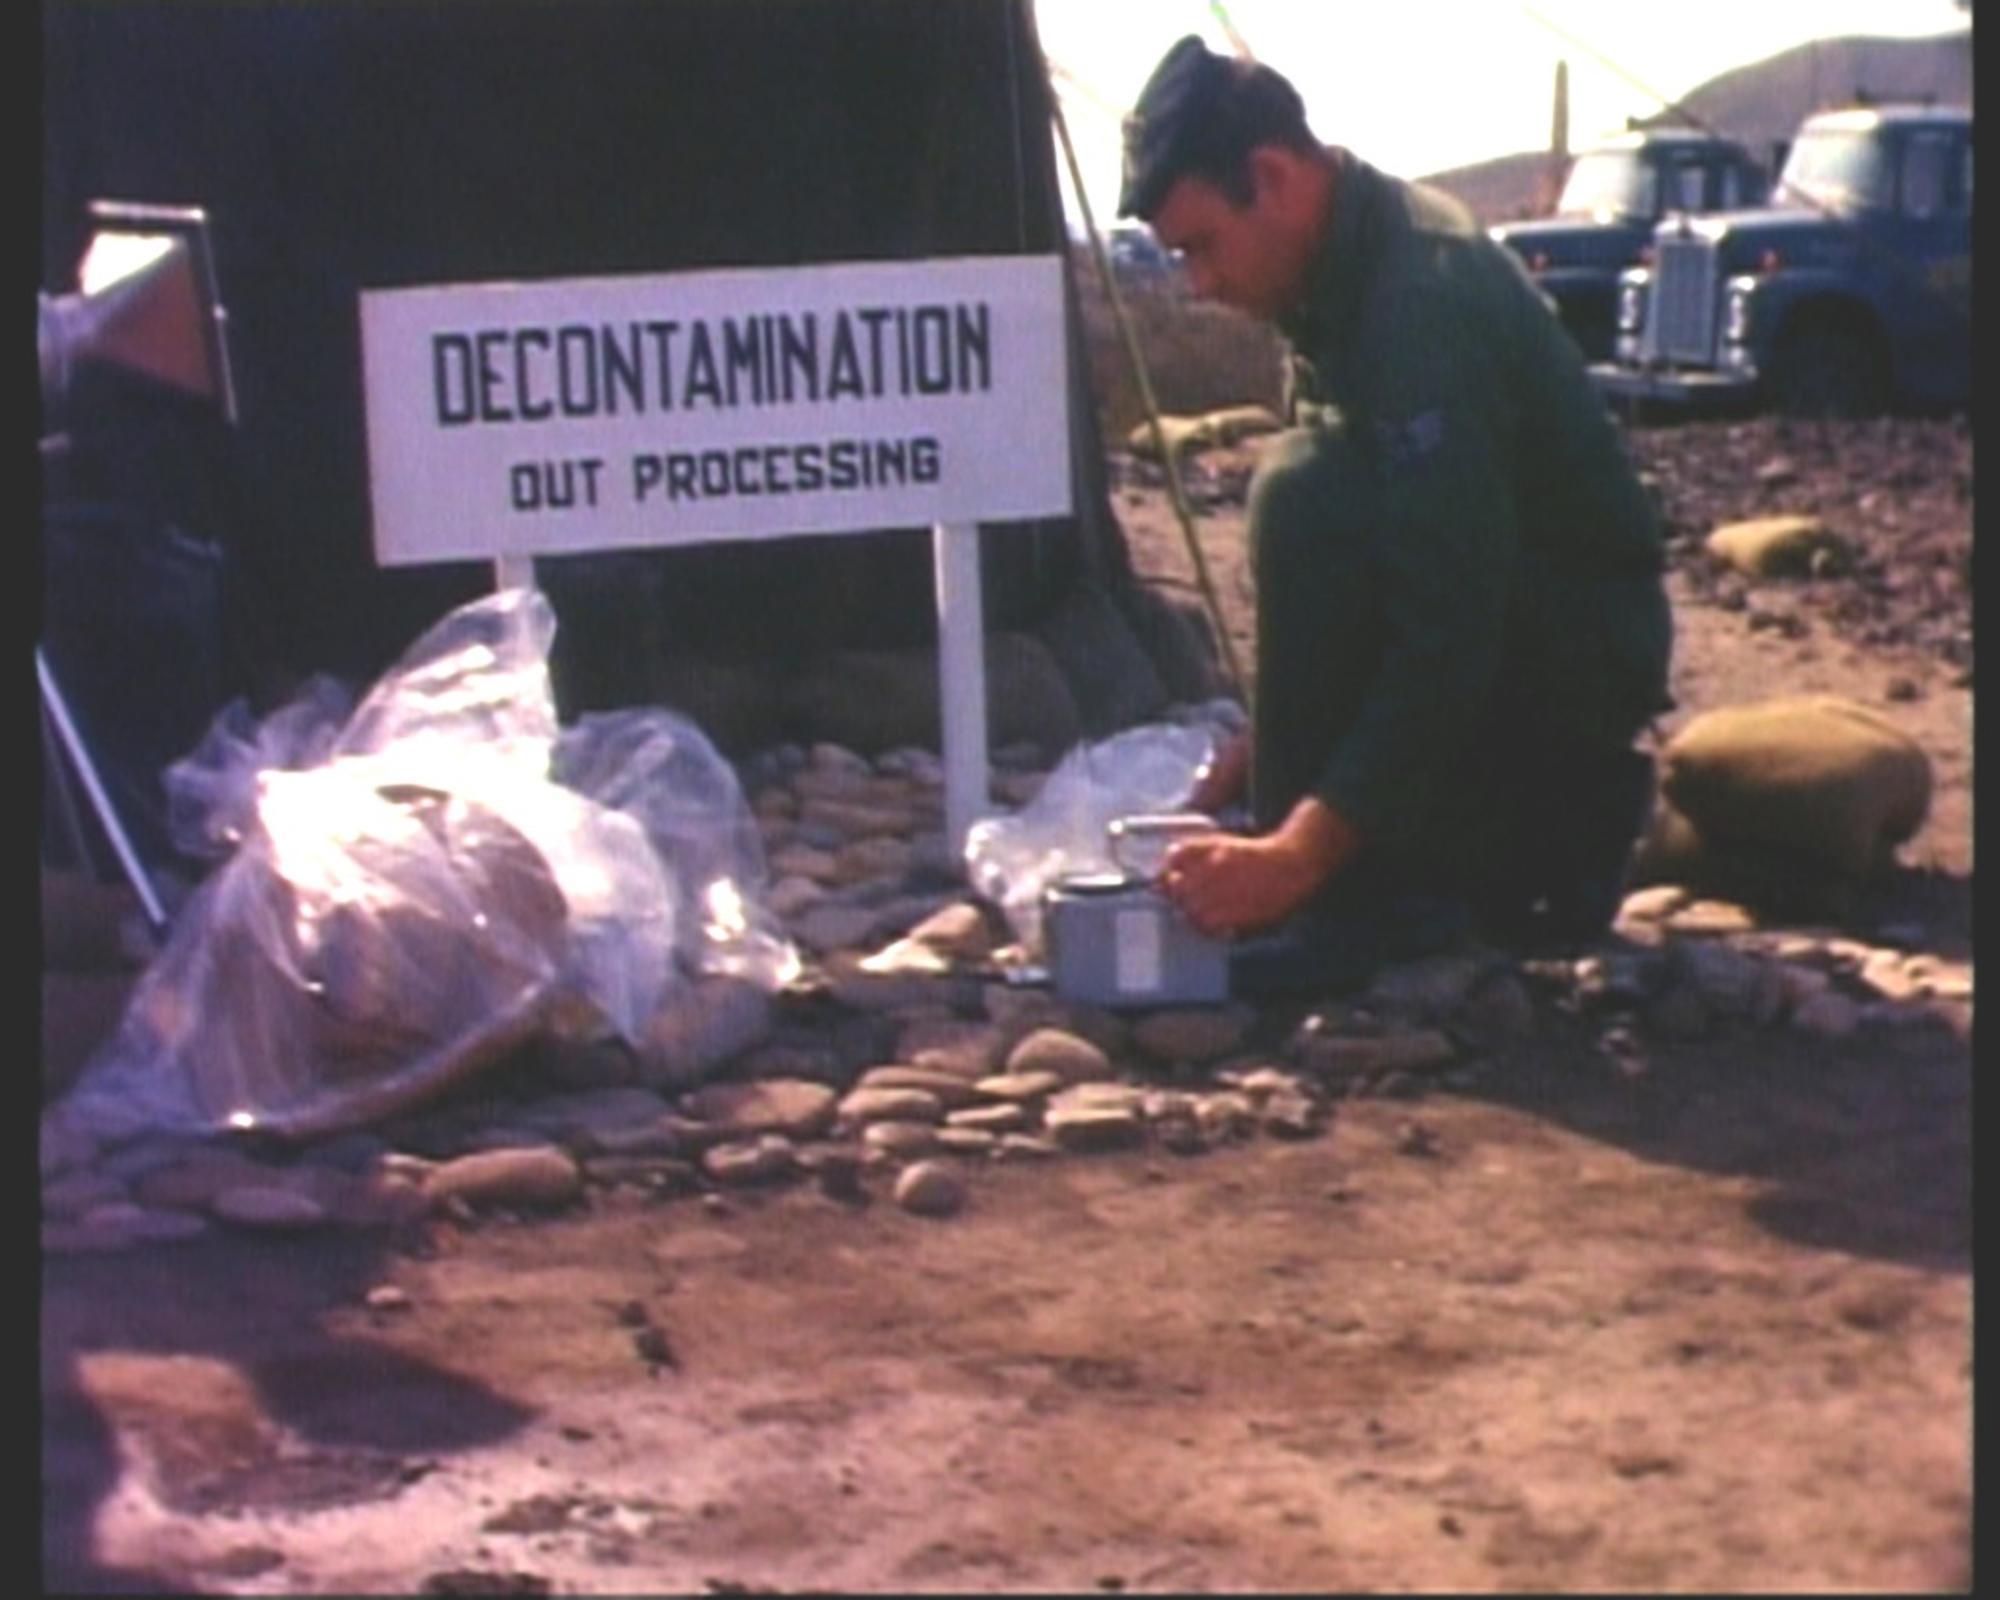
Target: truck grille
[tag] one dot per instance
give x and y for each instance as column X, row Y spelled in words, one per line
column 1681, row 326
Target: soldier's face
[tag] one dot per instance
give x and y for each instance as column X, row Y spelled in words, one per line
column 1242, row 256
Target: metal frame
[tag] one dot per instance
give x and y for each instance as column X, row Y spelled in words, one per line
column 189, row 223
column 67, row 754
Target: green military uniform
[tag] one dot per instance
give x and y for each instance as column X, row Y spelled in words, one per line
column 1458, row 573
column 1461, row 617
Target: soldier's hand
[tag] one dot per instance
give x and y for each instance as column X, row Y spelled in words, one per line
column 1227, row 884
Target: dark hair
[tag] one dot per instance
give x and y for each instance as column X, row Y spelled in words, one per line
column 1253, row 105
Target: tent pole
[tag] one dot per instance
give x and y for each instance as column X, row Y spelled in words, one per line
column 1168, row 460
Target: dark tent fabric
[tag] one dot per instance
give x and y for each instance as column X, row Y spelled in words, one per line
column 344, row 146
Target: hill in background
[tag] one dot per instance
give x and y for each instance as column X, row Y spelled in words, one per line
column 1757, row 104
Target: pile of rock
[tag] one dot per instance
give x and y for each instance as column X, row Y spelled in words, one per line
column 1691, row 965
column 906, row 1058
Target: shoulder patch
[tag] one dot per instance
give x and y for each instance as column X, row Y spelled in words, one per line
column 1407, row 444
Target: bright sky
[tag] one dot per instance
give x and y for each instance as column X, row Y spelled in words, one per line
column 1429, row 84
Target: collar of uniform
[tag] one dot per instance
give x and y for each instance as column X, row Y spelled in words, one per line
column 1333, row 276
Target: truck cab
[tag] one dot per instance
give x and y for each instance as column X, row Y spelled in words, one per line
column 1851, row 294
column 1612, row 199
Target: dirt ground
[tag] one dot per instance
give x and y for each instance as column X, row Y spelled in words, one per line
column 1695, row 1317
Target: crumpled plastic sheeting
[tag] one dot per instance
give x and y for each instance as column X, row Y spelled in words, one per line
column 660, row 769
column 423, row 899
column 212, row 790
column 1013, row 859
column 333, row 971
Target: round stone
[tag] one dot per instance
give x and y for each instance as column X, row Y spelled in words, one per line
column 1019, row 1086
column 930, row 1189
column 761, row 1160
column 890, row 1105
column 1341, row 1056
column 1094, row 1127
column 1290, row 1115
column 1192, row 1033
column 903, row 1140
column 543, row 1176
column 952, row 1045
column 797, row 1107
column 1100, row 1097
column 1029, row 1146
column 1652, row 904
column 1054, row 1050
column 268, row 1207
column 1263, row 1082
column 837, row 1167
column 831, row 783
column 958, row 930
column 1711, row 916
column 1003, row 1118
column 1226, row 1115
column 827, row 756
column 949, row 1089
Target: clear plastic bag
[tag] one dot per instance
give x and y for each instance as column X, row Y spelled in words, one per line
column 454, row 877
column 364, row 948
column 212, row 790
column 661, row 770
column 1148, row 769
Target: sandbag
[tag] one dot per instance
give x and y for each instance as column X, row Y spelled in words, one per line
column 1821, row 778
column 1181, row 435
column 1770, row 878
column 1777, row 547
column 1186, row 435
column 1234, row 424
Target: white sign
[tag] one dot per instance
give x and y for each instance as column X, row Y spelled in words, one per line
column 593, row 413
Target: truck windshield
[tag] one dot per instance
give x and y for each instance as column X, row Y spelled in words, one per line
column 1843, row 169
column 1610, row 183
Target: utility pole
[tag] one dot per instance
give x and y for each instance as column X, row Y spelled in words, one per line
column 1558, row 162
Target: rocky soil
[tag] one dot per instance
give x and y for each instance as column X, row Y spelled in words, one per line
column 1644, row 1269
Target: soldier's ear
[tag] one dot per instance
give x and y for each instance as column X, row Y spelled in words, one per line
column 1281, row 181
column 1270, row 180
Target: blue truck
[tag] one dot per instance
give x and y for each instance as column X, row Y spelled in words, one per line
column 1851, row 295
column 1613, row 198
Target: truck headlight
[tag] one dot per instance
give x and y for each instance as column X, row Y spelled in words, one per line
column 1736, row 314
column 1631, row 307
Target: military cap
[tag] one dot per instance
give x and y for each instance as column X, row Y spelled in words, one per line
column 1167, row 121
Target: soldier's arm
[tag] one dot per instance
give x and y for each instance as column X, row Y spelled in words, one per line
column 1445, row 549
